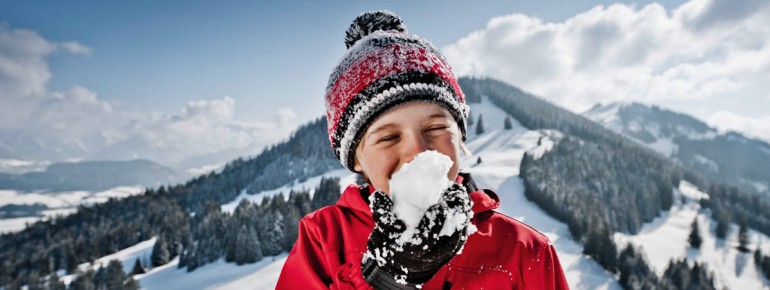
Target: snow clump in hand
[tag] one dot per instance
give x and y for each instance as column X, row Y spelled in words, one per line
column 418, row 185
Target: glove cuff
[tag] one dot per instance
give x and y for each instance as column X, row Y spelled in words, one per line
column 380, row 278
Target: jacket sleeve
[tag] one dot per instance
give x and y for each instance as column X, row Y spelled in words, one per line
column 546, row 273
column 307, row 266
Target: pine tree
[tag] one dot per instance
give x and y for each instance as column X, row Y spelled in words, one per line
column 602, row 249
column 54, row 283
column 766, row 266
column 138, row 269
column 507, row 125
column 231, row 237
column 695, row 238
column 723, row 225
column 83, row 281
column 115, row 278
column 327, row 193
column 100, row 278
column 72, row 264
column 480, row 126
column 634, row 271
column 743, row 238
column 160, row 255
column 271, row 233
column 248, row 248
column 291, row 227
column 34, row 282
column 130, row 284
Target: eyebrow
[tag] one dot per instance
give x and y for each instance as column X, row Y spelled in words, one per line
column 438, row 115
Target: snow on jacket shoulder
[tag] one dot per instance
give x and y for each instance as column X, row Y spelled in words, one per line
column 503, row 254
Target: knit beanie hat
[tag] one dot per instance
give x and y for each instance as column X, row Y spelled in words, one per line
column 384, row 66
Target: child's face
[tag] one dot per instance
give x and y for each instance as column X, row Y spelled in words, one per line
column 398, row 135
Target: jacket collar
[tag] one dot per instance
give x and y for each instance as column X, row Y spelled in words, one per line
column 356, row 196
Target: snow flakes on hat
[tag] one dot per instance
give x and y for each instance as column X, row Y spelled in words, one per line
column 384, row 67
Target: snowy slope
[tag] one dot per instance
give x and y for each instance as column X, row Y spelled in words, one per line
column 501, row 152
column 665, row 238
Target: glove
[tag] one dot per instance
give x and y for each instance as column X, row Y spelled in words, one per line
column 390, row 265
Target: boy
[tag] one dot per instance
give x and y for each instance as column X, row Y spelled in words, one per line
column 391, row 99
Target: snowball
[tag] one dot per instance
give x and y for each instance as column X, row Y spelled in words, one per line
column 456, row 220
column 415, row 187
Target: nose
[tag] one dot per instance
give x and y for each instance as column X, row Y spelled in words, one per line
column 413, row 145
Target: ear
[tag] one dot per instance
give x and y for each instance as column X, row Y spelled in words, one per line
column 356, row 157
column 357, row 167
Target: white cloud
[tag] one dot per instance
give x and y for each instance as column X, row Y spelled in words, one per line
column 702, row 51
column 201, row 127
column 758, row 127
column 23, row 69
column 75, row 48
column 39, row 124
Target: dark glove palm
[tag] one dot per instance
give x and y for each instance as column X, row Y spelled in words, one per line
column 416, row 262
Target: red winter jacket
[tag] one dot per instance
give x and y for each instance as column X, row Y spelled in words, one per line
column 503, row 254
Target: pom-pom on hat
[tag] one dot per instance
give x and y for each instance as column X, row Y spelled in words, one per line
column 384, row 66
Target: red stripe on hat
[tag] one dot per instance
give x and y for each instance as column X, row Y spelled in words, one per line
column 383, row 62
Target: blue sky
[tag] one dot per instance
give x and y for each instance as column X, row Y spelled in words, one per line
column 175, row 80
column 267, row 55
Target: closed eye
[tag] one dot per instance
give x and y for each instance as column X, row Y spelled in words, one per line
column 436, row 128
column 387, row 138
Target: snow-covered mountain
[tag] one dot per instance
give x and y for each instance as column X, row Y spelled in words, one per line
column 190, row 216
column 726, row 157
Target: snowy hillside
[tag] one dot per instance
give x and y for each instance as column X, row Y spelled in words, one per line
column 666, row 238
column 501, row 152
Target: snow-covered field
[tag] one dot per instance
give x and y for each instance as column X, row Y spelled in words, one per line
column 58, row 203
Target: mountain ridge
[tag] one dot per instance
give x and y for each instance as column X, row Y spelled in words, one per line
column 729, row 157
column 93, row 175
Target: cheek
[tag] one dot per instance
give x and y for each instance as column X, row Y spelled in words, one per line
column 451, row 148
column 378, row 165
